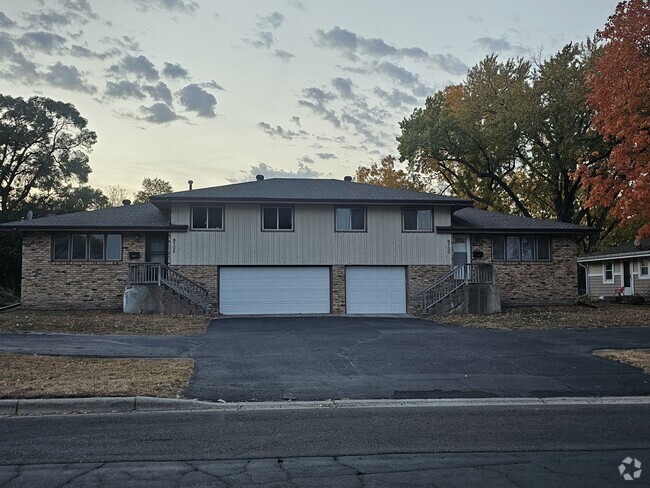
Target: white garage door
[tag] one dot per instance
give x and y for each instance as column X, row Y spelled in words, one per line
column 375, row 289
column 274, row 290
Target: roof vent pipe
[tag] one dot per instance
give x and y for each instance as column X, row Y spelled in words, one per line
column 190, row 183
column 347, row 178
column 126, row 203
column 259, row 177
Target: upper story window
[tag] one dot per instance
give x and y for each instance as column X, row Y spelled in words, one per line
column 87, row 247
column 521, row 248
column 207, row 218
column 350, row 219
column 418, row 220
column 643, row 267
column 608, row 272
column 277, row 218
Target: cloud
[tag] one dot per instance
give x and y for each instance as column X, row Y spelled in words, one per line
column 283, row 55
column 125, row 42
column 326, row 155
column 158, row 113
column 404, row 77
column 83, row 52
column 196, row 99
column 138, row 65
column 321, row 111
column 303, row 171
column 159, row 92
column 344, row 87
column 67, row 77
column 297, row 4
column 175, row 71
column 296, row 120
column 396, row 98
column 272, row 20
column 351, row 44
column 319, row 96
column 263, row 38
column 498, row 45
column 174, row 6
column 307, row 160
column 21, row 69
column 280, row 131
column 6, row 22
column 212, row 84
column 474, row 18
column 123, row 89
column 48, row 20
column 43, row 41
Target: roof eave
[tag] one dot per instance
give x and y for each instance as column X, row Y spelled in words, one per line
column 511, row 230
column 610, row 257
column 163, row 203
column 108, row 228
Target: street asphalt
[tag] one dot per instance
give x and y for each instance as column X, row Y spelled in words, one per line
column 321, row 358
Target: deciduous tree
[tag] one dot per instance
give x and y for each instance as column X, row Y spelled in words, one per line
column 151, row 187
column 385, row 174
column 620, row 98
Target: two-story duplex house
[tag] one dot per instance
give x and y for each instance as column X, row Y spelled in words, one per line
column 288, row 246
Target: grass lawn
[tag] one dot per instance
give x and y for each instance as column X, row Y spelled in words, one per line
column 100, row 322
column 64, row 376
column 568, row 317
column 639, row 358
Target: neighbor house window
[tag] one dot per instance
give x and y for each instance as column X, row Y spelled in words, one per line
column 277, row 218
column 87, row 247
column 643, row 267
column 418, row 220
column 350, row 219
column 608, row 272
column 207, row 218
column 521, row 248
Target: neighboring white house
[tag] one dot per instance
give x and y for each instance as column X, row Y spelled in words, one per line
column 618, row 271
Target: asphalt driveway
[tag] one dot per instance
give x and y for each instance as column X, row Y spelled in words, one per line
column 271, row 359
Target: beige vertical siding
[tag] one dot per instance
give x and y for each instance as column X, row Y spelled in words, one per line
column 313, row 242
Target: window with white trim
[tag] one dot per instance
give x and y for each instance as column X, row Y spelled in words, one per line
column 350, row 219
column 521, row 248
column 608, row 272
column 417, row 220
column 277, row 218
column 87, row 247
column 207, row 218
column 643, row 268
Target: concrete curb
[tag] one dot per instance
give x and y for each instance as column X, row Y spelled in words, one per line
column 66, row 406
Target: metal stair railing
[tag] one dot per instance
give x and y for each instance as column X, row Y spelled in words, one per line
column 454, row 280
column 160, row 274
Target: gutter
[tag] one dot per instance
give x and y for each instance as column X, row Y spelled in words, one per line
column 609, row 257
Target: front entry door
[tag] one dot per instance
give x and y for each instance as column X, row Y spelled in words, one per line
column 156, row 248
column 626, row 279
column 460, row 253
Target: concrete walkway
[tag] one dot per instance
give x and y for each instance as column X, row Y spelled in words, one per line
column 275, row 359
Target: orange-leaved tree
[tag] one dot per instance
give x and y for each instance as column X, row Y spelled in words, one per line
column 385, row 174
column 620, row 97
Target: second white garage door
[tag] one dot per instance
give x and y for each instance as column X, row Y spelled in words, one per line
column 375, row 289
column 274, row 290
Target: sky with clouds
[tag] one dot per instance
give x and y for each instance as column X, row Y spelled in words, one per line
column 221, row 91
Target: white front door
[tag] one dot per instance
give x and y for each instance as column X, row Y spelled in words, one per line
column 375, row 289
column 627, row 283
column 267, row 290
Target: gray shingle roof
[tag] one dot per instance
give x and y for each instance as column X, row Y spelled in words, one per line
column 475, row 220
column 144, row 216
column 627, row 248
column 306, row 190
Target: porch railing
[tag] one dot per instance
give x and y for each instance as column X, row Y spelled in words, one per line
column 455, row 279
column 162, row 275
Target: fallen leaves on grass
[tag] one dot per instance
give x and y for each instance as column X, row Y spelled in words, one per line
column 639, row 358
column 64, row 376
column 567, row 317
column 100, row 322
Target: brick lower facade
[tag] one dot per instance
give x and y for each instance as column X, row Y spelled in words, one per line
column 534, row 282
column 48, row 284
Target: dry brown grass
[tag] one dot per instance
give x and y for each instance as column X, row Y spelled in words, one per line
column 569, row 317
column 64, row 376
column 100, row 322
column 639, row 358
